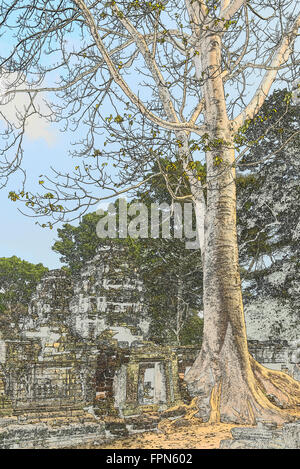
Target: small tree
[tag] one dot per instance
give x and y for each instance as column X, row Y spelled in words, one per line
column 78, row 244
column 197, row 61
column 18, row 279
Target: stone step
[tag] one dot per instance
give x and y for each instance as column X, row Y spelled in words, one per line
column 16, row 436
column 57, row 421
column 115, row 427
column 142, row 423
column 264, row 436
column 48, row 412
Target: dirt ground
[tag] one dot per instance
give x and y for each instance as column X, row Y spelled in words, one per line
column 181, row 434
column 177, row 434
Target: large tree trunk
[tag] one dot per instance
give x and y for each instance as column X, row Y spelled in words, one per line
column 231, row 386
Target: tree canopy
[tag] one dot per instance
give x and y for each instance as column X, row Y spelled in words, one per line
column 18, row 279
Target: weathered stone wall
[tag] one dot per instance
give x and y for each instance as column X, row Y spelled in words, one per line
column 60, row 433
column 49, row 304
column 268, row 319
column 59, row 375
column 265, row 436
column 277, row 354
column 276, row 313
column 133, row 379
column 108, row 295
column 52, row 364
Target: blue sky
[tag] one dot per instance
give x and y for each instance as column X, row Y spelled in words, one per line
column 45, row 146
column 19, row 235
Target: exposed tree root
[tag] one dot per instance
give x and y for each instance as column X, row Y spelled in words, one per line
column 234, row 394
column 215, row 400
column 280, row 388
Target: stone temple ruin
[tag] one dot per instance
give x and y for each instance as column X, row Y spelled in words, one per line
column 80, row 367
column 81, row 356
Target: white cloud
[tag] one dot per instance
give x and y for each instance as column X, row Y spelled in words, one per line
column 105, row 204
column 37, row 126
column 296, row 92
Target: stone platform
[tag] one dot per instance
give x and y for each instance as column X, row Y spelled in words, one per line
column 50, row 431
column 265, row 436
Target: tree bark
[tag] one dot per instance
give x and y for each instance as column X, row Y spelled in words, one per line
column 179, row 310
column 230, row 385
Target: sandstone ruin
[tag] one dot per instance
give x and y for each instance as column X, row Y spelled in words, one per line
column 80, row 367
